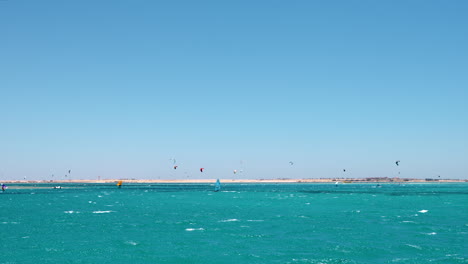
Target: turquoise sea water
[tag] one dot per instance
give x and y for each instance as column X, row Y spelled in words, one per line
column 243, row 223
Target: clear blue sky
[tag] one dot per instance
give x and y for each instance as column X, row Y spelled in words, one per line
column 117, row 88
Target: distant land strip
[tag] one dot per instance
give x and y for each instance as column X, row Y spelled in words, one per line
column 277, row 180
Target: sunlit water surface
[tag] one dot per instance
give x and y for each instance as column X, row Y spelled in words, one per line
column 243, row 223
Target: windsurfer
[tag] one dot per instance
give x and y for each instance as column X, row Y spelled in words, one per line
column 217, row 186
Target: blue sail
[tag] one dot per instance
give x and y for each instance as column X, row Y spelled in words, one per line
column 217, row 186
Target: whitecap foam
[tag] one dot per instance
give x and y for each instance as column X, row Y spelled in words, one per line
column 255, row 220
column 414, row 246
column 133, row 243
column 423, row 211
column 102, row 212
column 194, row 229
column 230, row 220
column 71, row 212
column 431, row 234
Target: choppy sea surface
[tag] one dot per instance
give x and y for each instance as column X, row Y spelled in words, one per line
column 243, row 223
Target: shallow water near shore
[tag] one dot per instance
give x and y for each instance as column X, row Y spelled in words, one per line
column 243, row 223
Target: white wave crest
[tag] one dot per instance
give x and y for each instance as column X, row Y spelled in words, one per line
column 133, row 243
column 230, row 220
column 414, row 246
column 194, row 229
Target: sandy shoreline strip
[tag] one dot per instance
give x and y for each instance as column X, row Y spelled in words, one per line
column 237, row 181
